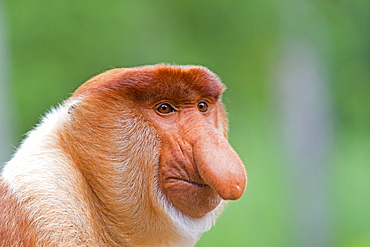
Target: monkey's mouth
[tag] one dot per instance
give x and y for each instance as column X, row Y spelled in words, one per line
column 192, row 197
column 198, row 184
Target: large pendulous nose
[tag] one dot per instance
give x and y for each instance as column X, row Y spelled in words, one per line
column 220, row 166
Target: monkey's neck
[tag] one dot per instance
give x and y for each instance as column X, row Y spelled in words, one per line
column 50, row 190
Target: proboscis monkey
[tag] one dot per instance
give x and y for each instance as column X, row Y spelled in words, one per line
column 135, row 157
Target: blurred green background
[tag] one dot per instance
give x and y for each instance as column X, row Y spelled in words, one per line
column 298, row 97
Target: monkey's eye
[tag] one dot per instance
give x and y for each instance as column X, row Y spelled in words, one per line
column 202, row 106
column 165, row 109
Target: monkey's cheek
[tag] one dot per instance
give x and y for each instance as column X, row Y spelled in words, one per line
column 192, row 200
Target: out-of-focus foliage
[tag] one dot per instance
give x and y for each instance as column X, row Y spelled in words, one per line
column 57, row 45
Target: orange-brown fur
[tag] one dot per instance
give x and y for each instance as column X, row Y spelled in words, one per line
column 120, row 173
column 107, row 182
column 15, row 227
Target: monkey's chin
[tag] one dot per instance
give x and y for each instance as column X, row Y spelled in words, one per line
column 191, row 198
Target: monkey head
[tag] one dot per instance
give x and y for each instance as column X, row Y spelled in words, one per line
column 165, row 130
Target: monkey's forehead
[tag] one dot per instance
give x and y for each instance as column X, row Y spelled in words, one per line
column 153, row 82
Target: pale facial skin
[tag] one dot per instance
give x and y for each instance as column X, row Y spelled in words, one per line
column 198, row 167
